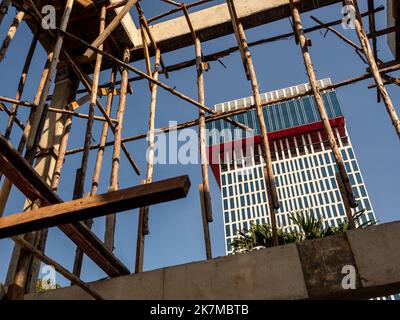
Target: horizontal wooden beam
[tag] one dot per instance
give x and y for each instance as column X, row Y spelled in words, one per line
column 95, row 206
column 25, row 178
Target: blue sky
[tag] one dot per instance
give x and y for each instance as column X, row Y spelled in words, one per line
column 176, row 232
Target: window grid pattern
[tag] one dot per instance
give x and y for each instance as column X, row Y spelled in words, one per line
column 279, row 116
column 305, row 176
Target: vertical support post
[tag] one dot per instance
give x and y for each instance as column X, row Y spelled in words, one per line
column 93, row 99
column 64, row 93
column 202, row 130
column 17, row 288
column 140, row 239
column 88, row 135
column 143, row 222
column 111, row 219
column 21, row 87
column 4, row 5
column 52, row 72
column 206, row 229
column 320, row 104
column 273, row 201
column 347, row 207
column 103, row 138
column 205, row 198
column 365, row 45
column 21, row 84
column 11, row 33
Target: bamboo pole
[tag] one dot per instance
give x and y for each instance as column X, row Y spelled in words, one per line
column 10, row 115
column 85, row 156
column 21, row 84
column 11, row 33
column 17, row 288
column 53, row 68
column 375, row 71
column 143, row 225
column 269, row 177
column 145, row 76
column 206, row 229
column 205, row 190
column 320, row 104
column 80, row 115
column 224, row 53
column 210, row 118
column 36, row 130
column 110, row 28
column 139, row 259
column 60, row 269
column 18, row 102
column 93, row 99
column 103, row 138
column 6, row 187
column 4, row 5
column 111, row 219
column 347, row 208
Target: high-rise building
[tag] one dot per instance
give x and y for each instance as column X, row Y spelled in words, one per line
column 303, row 163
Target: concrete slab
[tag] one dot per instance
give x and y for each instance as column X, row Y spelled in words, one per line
column 174, row 34
column 145, row 286
column 265, row 274
column 323, row 260
column 377, row 255
column 308, row 270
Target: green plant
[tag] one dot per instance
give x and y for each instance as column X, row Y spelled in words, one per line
column 309, row 227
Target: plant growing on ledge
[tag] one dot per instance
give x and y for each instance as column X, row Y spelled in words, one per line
column 307, row 227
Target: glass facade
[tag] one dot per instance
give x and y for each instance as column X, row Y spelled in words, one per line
column 303, row 164
column 278, row 116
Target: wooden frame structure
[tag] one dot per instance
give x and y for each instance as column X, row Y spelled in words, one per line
column 23, row 166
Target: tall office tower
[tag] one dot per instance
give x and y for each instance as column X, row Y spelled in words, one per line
column 303, row 163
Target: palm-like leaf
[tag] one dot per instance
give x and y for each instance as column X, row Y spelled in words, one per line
column 310, row 228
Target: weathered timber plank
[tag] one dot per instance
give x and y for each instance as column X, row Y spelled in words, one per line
column 25, row 178
column 95, row 206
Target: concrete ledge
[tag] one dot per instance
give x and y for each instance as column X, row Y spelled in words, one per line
column 174, row 34
column 308, row 270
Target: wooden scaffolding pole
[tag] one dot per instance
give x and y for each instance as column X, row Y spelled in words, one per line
column 320, row 104
column 205, row 200
column 11, row 33
column 88, row 135
column 53, row 68
column 216, row 56
column 16, row 289
column 110, row 28
column 97, row 169
column 21, row 86
column 273, row 201
column 374, row 69
column 210, row 118
column 93, row 99
column 103, row 138
column 4, row 6
column 146, row 76
column 6, row 187
column 204, row 188
column 60, row 269
column 114, row 177
column 143, row 221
